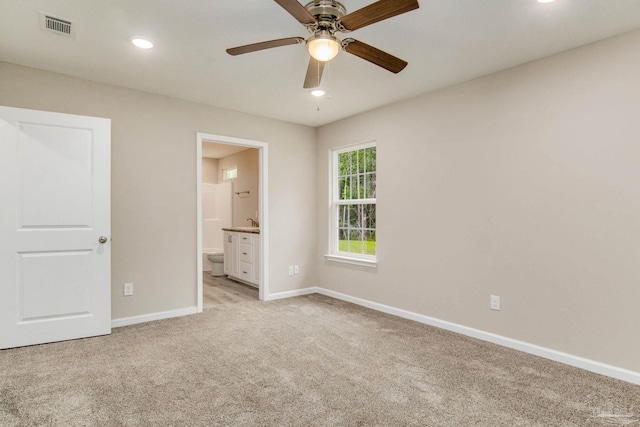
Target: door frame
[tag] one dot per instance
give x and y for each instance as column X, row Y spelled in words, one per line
column 263, row 217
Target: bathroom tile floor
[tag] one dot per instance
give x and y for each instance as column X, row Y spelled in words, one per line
column 222, row 291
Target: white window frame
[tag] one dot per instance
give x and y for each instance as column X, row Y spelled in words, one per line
column 334, row 202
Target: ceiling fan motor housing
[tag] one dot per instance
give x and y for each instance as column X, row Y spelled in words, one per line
column 323, row 44
column 327, row 12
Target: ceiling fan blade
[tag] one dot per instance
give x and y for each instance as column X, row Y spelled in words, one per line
column 376, row 12
column 264, row 45
column 314, row 73
column 375, row 56
column 298, row 11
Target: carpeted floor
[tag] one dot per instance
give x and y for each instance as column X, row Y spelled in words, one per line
column 305, row 361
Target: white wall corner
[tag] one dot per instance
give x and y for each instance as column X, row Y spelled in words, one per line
column 291, row 294
column 124, row 321
column 547, row 353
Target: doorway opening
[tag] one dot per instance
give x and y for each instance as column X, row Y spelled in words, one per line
column 244, row 202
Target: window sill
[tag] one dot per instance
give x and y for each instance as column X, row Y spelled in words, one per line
column 354, row 261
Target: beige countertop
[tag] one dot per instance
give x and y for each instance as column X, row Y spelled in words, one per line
column 255, row 230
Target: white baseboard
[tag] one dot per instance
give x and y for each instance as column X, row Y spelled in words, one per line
column 558, row 356
column 116, row 323
column 290, row 294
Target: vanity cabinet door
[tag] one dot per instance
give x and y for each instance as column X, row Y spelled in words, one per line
column 231, row 247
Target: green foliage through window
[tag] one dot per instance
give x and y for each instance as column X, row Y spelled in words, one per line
column 356, row 204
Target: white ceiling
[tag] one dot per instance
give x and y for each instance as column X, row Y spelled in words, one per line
column 215, row 150
column 444, row 41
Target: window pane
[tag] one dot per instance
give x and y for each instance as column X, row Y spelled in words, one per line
column 362, row 218
column 343, row 189
column 371, row 158
column 343, row 164
column 369, row 243
column 354, row 217
column 343, row 220
column 354, row 162
column 371, row 186
column 370, row 216
column 343, row 216
column 346, row 191
column 230, row 173
column 355, row 241
column 367, row 190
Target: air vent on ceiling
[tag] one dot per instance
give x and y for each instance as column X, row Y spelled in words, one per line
column 55, row 25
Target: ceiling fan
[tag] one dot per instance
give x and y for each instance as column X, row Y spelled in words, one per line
column 325, row 18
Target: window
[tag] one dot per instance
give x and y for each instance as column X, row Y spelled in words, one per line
column 229, row 173
column 353, row 227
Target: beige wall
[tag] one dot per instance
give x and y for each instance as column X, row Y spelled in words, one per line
column 153, row 183
column 209, row 170
column 523, row 184
column 244, row 205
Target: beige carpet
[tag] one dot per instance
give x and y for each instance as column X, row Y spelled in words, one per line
column 306, row 361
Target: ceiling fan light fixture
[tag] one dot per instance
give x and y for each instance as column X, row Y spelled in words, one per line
column 318, row 92
column 323, row 46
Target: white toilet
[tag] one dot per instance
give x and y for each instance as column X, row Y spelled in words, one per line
column 217, row 259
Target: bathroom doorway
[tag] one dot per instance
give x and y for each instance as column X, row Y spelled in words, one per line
column 231, row 185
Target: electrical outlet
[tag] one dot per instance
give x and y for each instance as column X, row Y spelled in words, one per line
column 495, row 302
column 296, row 269
column 291, row 270
column 128, row 289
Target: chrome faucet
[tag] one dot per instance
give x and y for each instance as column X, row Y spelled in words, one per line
column 254, row 223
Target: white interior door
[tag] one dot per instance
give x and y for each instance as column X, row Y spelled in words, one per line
column 55, row 256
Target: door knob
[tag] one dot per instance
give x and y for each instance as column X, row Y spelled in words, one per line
column 102, row 239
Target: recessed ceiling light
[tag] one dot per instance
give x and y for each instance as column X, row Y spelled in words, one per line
column 545, row 1
column 317, row 92
column 142, row 43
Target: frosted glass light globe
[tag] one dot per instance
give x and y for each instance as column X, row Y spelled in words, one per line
column 323, row 46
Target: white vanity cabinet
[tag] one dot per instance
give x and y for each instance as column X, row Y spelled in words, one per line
column 242, row 256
